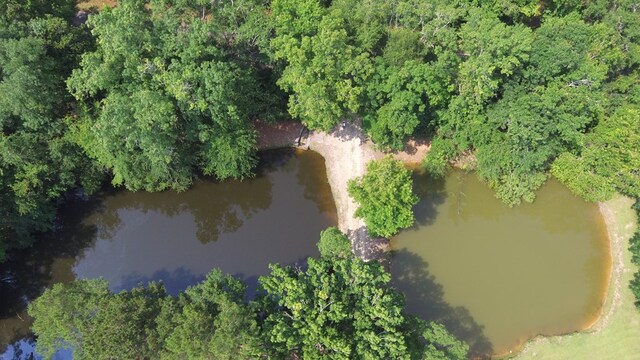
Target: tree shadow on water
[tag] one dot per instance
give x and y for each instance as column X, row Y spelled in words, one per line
column 432, row 193
column 273, row 160
column 425, row 298
column 217, row 207
column 312, row 176
column 27, row 272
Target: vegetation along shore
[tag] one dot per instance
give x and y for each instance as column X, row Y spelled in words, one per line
column 162, row 96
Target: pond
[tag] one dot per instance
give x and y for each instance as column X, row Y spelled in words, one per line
column 135, row 237
column 498, row 276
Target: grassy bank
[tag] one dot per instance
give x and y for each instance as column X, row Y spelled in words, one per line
column 616, row 335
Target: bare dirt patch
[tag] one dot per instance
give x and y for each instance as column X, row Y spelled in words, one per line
column 346, row 150
column 345, row 159
column 277, row 135
column 95, row 5
column 414, row 151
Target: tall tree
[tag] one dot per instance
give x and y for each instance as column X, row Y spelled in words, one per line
column 167, row 94
column 38, row 160
column 608, row 160
column 333, row 243
column 385, row 197
column 210, row 321
column 207, row 321
column 634, row 248
column 528, row 98
column 324, row 68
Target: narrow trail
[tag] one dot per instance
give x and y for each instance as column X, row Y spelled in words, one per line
column 346, row 155
column 346, row 151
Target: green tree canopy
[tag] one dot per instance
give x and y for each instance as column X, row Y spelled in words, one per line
column 608, row 160
column 385, row 195
column 634, row 248
column 334, row 243
column 341, row 307
column 338, row 308
column 207, row 321
column 167, row 96
column 325, row 67
column 210, row 321
column 88, row 318
column 38, row 160
column 539, row 103
column 19, row 10
column 516, row 83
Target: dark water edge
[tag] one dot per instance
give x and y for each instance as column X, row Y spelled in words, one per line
column 131, row 238
column 498, row 276
column 444, row 277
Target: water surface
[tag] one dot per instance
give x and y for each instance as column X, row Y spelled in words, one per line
column 136, row 237
column 497, row 276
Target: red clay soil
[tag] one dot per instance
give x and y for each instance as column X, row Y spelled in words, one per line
column 277, row 135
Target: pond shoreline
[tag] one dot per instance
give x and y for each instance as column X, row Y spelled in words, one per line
column 347, row 150
column 612, row 212
column 611, row 298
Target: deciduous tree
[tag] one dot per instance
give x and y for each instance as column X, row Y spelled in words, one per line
column 385, row 195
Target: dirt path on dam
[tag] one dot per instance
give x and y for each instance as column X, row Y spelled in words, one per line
column 346, row 154
column 346, row 151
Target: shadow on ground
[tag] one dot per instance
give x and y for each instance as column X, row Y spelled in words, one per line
column 348, row 130
column 368, row 247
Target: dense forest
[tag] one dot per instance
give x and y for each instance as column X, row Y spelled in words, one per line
column 151, row 94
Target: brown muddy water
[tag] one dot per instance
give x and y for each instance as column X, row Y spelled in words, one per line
column 498, row 276
column 135, row 237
